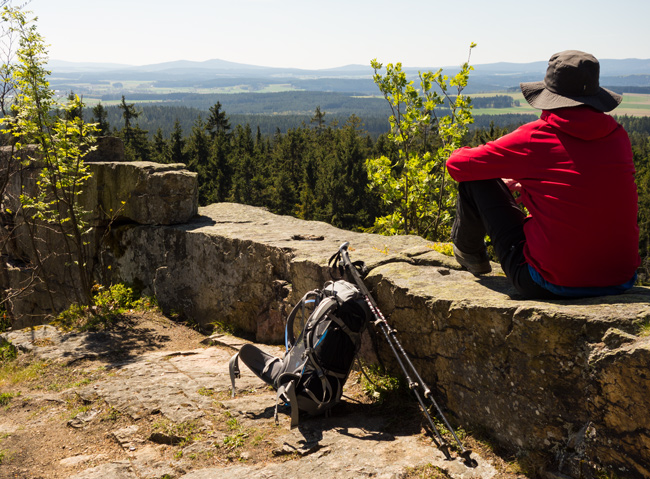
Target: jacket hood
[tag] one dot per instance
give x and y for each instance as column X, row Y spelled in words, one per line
column 581, row 122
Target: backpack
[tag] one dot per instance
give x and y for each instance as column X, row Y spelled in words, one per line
column 322, row 338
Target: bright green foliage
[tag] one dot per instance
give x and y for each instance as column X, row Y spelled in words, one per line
column 5, row 398
column 415, row 188
column 109, row 306
column 63, row 145
column 445, row 248
column 379, row 385
column 7, row 352
column 61, row 138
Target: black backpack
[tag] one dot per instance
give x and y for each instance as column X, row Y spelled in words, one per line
column 322, row 338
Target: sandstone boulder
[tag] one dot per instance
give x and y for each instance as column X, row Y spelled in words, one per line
column 142, row 192
column 562, row 377
column 37, row 272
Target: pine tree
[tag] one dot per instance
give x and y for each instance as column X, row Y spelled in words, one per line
column 100, row 117
column 159, row 148
column 136, row 143
column 177, row 145
column 198, row 148
column 218, row 123
column 318, row 118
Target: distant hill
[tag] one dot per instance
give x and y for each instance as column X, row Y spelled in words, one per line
column 630, row 66
column 183, row 74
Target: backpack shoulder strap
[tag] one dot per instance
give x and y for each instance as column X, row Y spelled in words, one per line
column 289, row 337
column 233, row 367
column 320, row 313
column 288, row 390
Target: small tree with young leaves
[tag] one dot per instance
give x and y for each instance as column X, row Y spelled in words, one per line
column 7, row 54
column 61, row 140
column 416, row 190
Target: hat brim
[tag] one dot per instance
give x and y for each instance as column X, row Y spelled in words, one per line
column 539, row 97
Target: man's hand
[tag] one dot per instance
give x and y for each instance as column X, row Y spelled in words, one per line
column 515, row 187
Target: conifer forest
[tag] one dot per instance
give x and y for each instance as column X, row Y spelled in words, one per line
column 315, row 170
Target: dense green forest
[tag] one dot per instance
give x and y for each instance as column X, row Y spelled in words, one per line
column 309, row 166
column 373, row 115
column 638, row 129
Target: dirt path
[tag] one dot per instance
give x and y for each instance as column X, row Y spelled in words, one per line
column 150, row 399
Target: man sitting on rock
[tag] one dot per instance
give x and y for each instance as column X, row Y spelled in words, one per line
column 574, row 173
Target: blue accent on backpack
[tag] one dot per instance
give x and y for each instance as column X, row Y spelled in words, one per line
column 322, row 338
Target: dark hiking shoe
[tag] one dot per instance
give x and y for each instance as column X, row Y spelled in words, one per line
column 477, row 263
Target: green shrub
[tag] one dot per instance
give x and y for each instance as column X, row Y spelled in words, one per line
column 109, row 306
column 379, row 385
column 445, row 248
column 644, row 329
column 7, row 352
column 5, row 398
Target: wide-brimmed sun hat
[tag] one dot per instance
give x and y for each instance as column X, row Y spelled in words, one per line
column 572, row 79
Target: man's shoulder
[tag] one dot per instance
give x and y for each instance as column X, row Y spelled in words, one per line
column 523, row 133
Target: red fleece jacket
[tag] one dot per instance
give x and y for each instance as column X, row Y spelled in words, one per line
column 577, row 175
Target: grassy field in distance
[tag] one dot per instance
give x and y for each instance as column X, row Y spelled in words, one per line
column 94, row 91
column 633, row 104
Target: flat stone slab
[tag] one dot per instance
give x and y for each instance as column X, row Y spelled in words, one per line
column 173, row 384
column 348, row 446
column 348, row 451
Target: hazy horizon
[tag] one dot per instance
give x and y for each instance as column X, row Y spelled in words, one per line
column 323, row 35
column 101, row 63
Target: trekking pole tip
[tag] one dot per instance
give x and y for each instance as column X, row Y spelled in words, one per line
column 466, row 455
column 444, row 447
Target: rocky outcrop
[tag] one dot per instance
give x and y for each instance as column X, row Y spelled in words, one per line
column 141, row 192
column 36, row 269
column 565, row 378
column 191, row 390
column 560, row 376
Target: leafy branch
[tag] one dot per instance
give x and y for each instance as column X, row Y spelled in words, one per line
column 61, row 139
column 414, row 188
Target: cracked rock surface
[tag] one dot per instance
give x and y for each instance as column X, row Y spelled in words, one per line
column 191, row 388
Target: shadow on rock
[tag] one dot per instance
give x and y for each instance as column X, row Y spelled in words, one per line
column 119, row 345
column 501, row 284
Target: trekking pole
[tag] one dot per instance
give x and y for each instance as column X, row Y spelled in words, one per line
column 396, row 346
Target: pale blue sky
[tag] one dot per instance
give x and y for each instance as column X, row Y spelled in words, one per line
column 324, row 34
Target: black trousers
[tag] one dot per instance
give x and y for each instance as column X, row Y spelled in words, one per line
column 487, row 207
